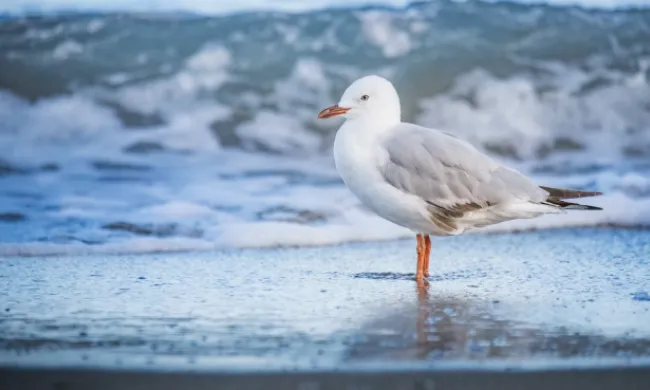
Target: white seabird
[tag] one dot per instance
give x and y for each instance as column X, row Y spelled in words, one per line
column 426, row 180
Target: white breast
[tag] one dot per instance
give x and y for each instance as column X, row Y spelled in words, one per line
column 358, row 157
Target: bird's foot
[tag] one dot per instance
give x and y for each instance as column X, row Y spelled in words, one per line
column 422, row 283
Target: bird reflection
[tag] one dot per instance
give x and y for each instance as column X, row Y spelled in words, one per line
column 423, row 311
column 460, row 328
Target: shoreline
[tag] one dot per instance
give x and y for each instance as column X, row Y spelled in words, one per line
column 8, row 250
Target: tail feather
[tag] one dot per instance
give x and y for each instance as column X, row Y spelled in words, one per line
column 561, row 193
column 557, row 194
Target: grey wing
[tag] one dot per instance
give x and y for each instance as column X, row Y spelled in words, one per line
column 451, row 175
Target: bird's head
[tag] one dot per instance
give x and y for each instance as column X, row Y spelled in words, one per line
column 368, row 97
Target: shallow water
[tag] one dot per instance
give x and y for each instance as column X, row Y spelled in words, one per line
column 552, row 298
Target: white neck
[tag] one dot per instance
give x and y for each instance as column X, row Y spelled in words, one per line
column 365, row 131
column 375, row 122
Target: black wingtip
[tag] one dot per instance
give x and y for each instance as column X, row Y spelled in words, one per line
column 570, row 206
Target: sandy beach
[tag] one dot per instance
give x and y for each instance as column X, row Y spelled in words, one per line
column 171, row 216
column 547, row 301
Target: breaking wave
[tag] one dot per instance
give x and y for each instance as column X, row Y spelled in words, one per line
column 129, row 132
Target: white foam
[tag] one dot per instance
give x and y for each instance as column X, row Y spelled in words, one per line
column 295, row 99
column 189, row 129
column 206, row 70
column 379, row 29
column 277, row 132
column 513, row 114
column 71, row 120
column 346, row 221
column 118, row 78
column 183, row 99
column 634, row 185
column 304, row 90
column 95, row 25
column 45, row 33
column 67, row 49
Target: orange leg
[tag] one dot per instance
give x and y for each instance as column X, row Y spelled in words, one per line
column 419, row 275
column 427, row 252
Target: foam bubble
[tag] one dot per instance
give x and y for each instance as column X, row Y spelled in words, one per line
column 67, row 49
column 65, row 120
column 277, row 132
column 514, row 118
column 379, row 29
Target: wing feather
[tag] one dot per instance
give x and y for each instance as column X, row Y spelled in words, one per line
column 450, row 174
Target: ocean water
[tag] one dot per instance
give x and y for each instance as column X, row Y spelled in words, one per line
column 132, row 132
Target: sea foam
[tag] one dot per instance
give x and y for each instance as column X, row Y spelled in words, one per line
column 202, row 133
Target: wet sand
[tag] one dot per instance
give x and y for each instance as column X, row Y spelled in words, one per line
column 561, row 305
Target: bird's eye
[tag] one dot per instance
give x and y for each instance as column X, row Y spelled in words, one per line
column 365, row 97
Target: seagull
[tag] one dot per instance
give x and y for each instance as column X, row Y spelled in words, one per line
column 426, row 180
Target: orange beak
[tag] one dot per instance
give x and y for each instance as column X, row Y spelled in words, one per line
column 332, row 111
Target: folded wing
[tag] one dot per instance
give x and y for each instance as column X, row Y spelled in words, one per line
column 451, row 175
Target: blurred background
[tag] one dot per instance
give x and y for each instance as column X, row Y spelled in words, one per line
column 154, row 125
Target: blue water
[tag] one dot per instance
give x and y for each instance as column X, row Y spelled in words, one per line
column 130, row 132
